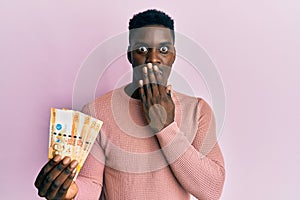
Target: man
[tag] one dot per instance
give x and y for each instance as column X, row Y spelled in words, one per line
column 155, row 143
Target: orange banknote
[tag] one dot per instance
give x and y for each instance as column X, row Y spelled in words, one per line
column 72, row 134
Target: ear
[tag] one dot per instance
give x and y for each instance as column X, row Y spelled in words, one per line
column 174, row 55
column 129, row 54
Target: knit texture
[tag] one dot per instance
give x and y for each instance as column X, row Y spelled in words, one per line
column 128, row 161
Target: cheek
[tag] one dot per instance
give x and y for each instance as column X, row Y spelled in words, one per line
column 169, row 60
column 138, row 59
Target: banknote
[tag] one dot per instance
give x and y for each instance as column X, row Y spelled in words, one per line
column 72, row 134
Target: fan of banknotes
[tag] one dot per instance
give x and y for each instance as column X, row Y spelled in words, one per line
column 72, row 134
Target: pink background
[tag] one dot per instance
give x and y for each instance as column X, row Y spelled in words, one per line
column 255, row 45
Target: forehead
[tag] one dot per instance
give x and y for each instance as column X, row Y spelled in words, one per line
column 152, row 35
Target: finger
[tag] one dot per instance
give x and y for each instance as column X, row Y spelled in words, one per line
column 44, row 171
column 65, row 187
column 158, row 75
column 147, row 86
column 153, row 81
column 59, row 181
column 51, row 176
column 142, row 92
column 144, row 100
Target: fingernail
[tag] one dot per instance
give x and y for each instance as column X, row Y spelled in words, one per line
column 168, row 89
column 155, row 67
column 145, row 70
column 57, row 158
column 141, row 82
column 74, row 164
column 66, row 160
column 149, row 65
column 74, row 171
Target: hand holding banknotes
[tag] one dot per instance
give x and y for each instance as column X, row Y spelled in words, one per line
column 55, row 180
column 71, row 137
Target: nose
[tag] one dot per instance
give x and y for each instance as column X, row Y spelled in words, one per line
column 153, row 56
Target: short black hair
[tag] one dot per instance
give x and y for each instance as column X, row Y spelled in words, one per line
column 152, row 17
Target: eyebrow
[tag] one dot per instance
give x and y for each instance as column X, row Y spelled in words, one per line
column 140, row 44
column 165, row 43
column 145, row 44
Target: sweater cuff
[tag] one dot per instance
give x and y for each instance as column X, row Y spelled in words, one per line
column 167, row 135
column 173, row 142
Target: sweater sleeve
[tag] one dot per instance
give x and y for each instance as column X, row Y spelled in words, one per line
column 198, row 166
column 90, row 177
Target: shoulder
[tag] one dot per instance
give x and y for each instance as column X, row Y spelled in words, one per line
column 101, row 103
column 191, row 102
column 194, row 110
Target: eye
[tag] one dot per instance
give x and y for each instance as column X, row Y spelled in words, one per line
column 164, row 49
column 142, row 49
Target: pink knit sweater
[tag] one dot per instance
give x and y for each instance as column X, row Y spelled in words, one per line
column 127, row 162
